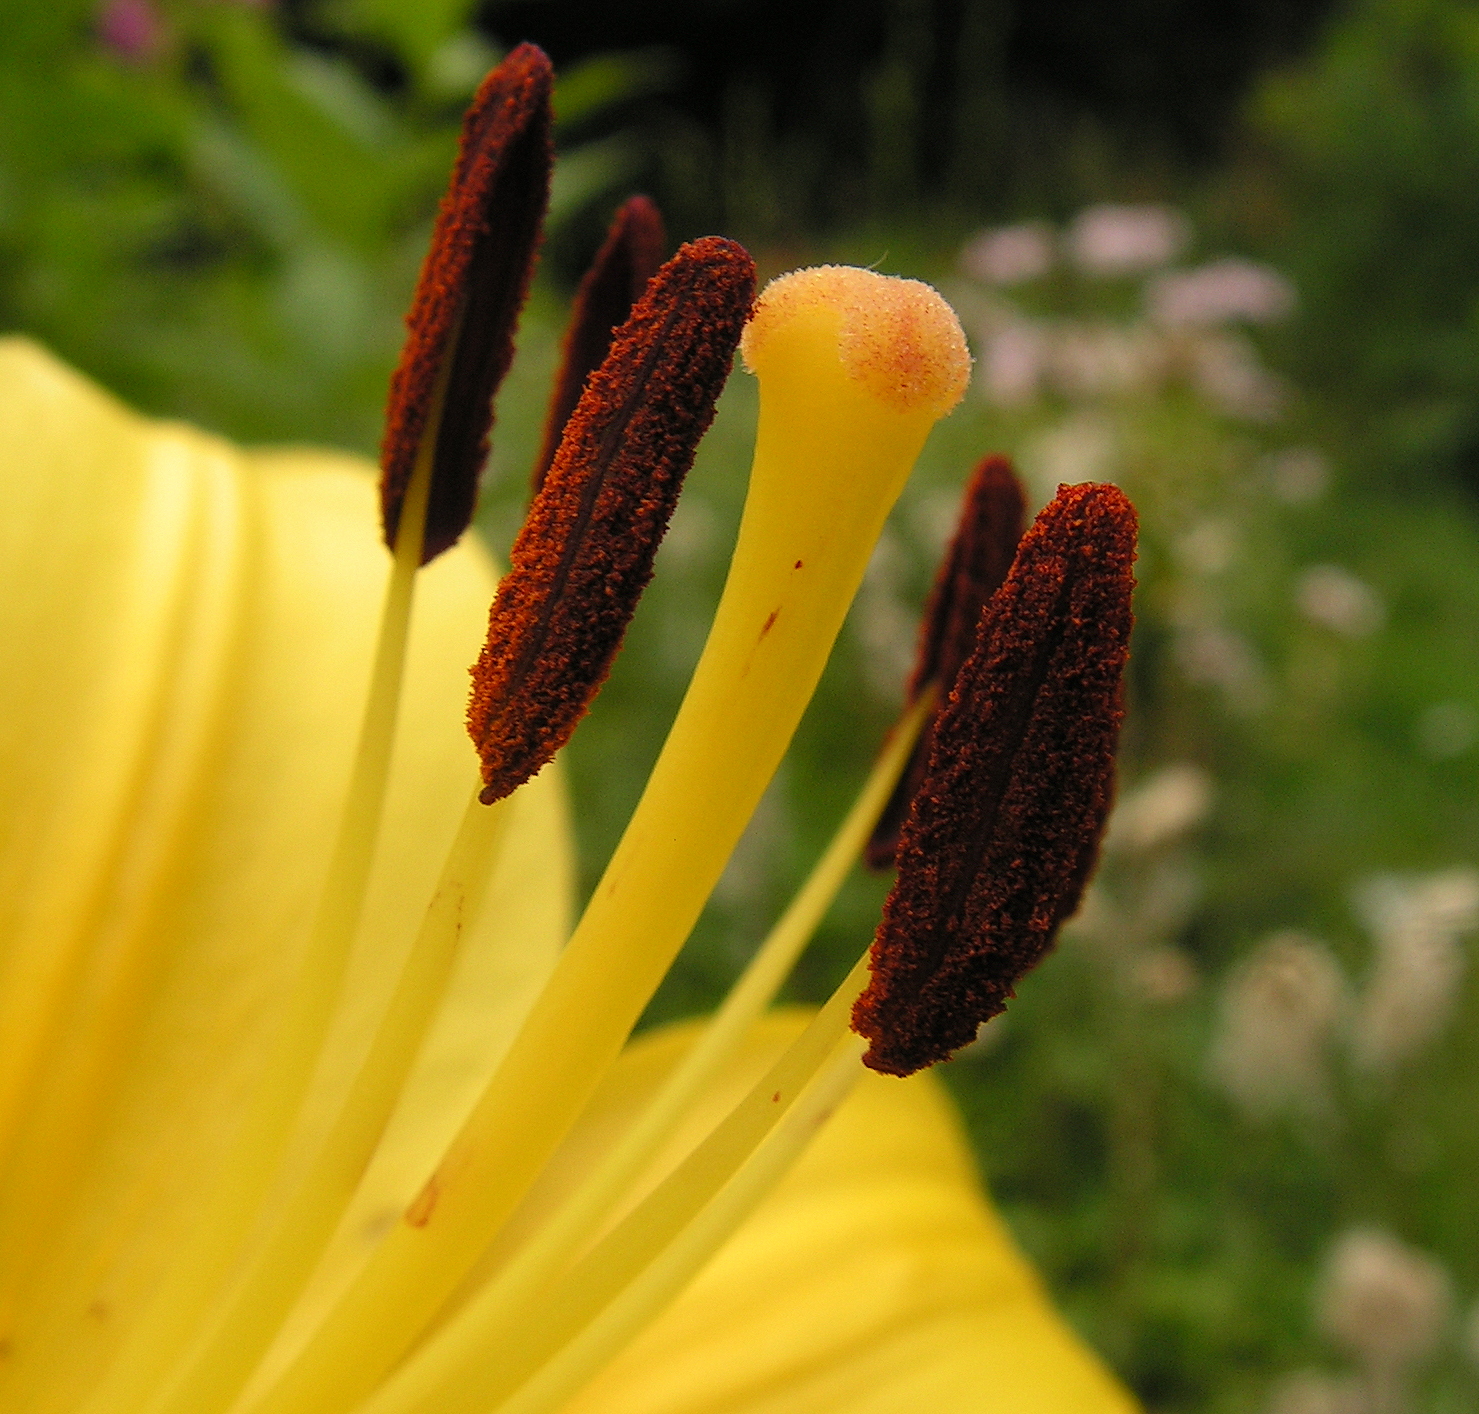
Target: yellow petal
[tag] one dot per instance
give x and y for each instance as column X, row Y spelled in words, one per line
column 187, row 633
column 875, row 1280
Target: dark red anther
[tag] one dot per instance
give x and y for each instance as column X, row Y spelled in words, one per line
column 629, row 257
column 975, row 564
column 1003, row 834
column 585, row 552
column 473, row 284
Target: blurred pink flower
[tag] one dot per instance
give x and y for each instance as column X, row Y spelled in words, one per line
column 1013, row 362
column 1121, row 240
column 132, row 29
column 1219, row 292
column 1008, row 255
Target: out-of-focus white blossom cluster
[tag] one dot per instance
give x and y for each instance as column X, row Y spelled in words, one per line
column 1185, row 329
column 1417, row 926
column 1336, row 599
column 1288, row 1008
column 1388, row 1309
column 1278, row 1015
column 1150, row 886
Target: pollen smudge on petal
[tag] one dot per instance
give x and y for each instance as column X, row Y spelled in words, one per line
column 629, row 257
column 473, row 285
column 1003, row 834
column 974, row 566
column 585, row 552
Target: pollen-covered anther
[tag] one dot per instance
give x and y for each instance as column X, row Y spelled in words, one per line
column 585, row 552
column 474, row 281
column 628, row 258
column 1004, row 831
column 972, row 570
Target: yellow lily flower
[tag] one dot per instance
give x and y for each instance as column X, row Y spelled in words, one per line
column 187, row 625
column 310, row 1098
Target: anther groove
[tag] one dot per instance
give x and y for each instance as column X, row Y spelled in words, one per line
column 585, row 552
column 1003, row 832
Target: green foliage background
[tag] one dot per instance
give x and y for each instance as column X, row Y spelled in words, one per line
column 226, row 228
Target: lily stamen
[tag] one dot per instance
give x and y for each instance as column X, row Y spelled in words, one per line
column 459, row 1351
column 976, row 562
column 585, row 552
column 472, row 287
column 628, row 258
column 1003, row 833
column 467, row 302
column 426, row 1169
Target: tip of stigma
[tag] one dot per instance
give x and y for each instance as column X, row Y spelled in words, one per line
column 897, row 337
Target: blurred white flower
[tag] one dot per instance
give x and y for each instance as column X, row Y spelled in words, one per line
column 1416, row 924
column 1386, row 1303
column 1170, row 897
column 1447, row 729
column 1091, row 360
column 932, row 517
column 1098, row 916
column 1163, row 975
column 1222, row 658
column 1013, row 361
column 1123, row 240
column 1297, row 476
column 1007, row 255
column 885, row 624
column 1335, row 598
column 691, row 534
column 1278, row 1013
column 1314, row 1392
column 1159, row 808
column 1081, row 448
column 1208, row 546
column 1218, row 293
column 1226, row 371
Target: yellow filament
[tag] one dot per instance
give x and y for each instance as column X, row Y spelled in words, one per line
column 521, row 1284
column 830, row 459
column 262, row 1296
column 650, row 1293
column 246, row 1175
column 510, row 1351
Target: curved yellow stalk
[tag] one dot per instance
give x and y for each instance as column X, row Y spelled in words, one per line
column 276, row 1270
column 491, row 1318
column 680, row 1260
